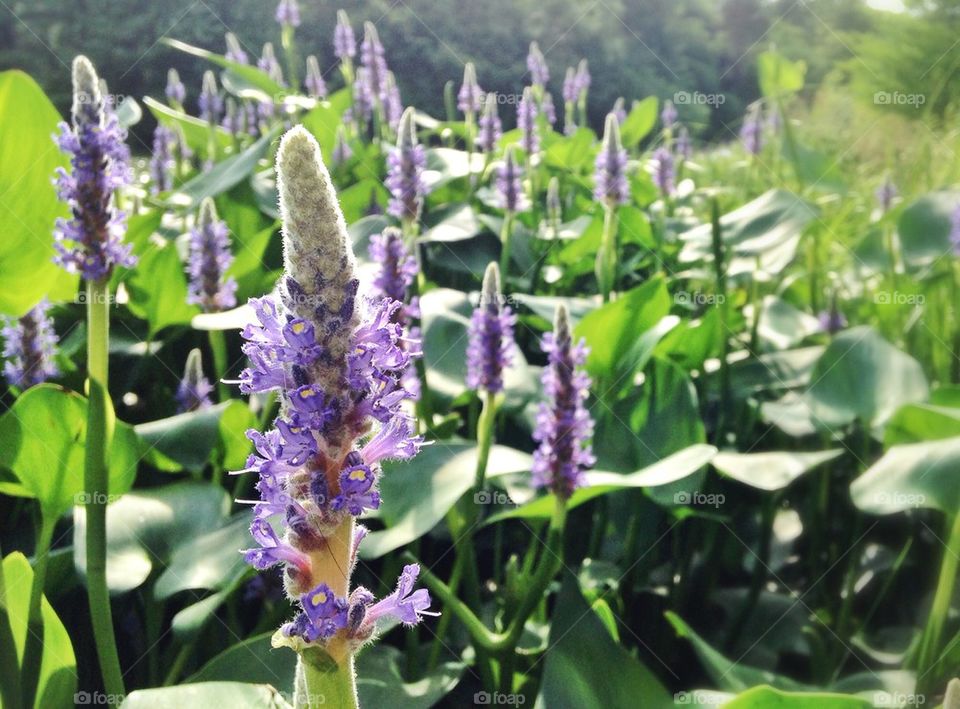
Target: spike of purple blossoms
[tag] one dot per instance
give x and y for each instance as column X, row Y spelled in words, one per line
column 29, row 347
column 751, row 132
column 363, row 97
column 314, row 83
column 684, row 145
column 955, row 230
column 91, row 241
column 194, row 391
column 832, row 321
column 490, row 343
column 372, row 58
column 571, row 87
column 886, row 193
column 162, row 163
column 393, row 104
column 470, row 96
column 341, row 148
column 527, row 122
column 619, row 110
column 344, row 41
column 583, row 79
column 175, row 91
column 490, row 129
column 210, row 101
column 509, row 184
column 664, row 171
column 235, row 52
column 398, row 267
column 288, row 13
column 233, row 119
column 269, row 64
column 564, row 426
column 668, row 116
column 405, row 166
column 549, row 112
column 610, row 176
column 209, row 260
column 537, row 66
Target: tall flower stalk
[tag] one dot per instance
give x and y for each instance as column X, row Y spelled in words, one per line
column 337, row 360
column 512, row 200
column 288, row 17
column 405, row 165
column 345, row 46
column 91, row 243
column 611, row 190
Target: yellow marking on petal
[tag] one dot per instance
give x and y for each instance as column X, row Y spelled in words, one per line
column 358, row 474
column 299, row 327
column 307, row 393
column 319, row 599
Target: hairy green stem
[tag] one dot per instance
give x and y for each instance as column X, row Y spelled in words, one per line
column 33, row 648
column 325, row 683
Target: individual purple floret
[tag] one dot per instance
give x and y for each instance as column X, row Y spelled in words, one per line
column 91, row 241
column 955, row 230
column 527, row 122
column 470, row 96
column 564, row 427
column 373, row 59
column 29, row 347
column 162, row 163
column 610, row 175
column 668, row 116
column 314, row 83
column 193, row 393
column 288, row 13
column 537, row 66
column 209, row 260
column 175, row 91
column 664, row 170
column 405, row 604
column 490, row 336
column 751, row 132
column 210, row 101
column 235, row 52
column 405, row 165
column 886, row 193
column 509, row 184
column 490, row 129
column 344, row 41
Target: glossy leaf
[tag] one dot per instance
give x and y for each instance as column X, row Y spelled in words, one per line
column 773, row 470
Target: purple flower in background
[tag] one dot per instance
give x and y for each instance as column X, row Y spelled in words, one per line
column 91, row 240
column 583, row 79
column 955, row 230
column 886, row 193
column 549, row 112
column 554, row 204
column 527, row 122
column 392, row 103
column 564, row 426
column 832, row 321
column 288, row 13
column 405, row 165
column 341, row 148
column 509, row 184
column 175, row 91
column 193, row 393
column 664, row 170
column 470, row 96
column 619, row 110
column 363, row 98
column 571, row 87
column 490, row 129
column 344, row 41
column 373, row 59
column 537, row 66
column 490, row 343
column 162, row 163
column 235, row 52
column 398, row 267
column 233, row 119
column 774, row 120
column 668, row 115
column 314, row 83
column 210, row 101
column 209, row 260
column 269, row 64
column 683, row 144
column 610, row 175
column 751, row 132
column 29, row 347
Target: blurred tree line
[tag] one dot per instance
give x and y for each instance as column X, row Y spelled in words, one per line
column 635, row 48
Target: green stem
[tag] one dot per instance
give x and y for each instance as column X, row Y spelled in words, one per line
column 930, row 642
column 720, row 274
column 290, row 54
column 505, row 233
column 606, row 266
column 9, row 671
column 99, row 433
column 218, row 346
column 322, row 682
column 485, row 438
column 33, row 649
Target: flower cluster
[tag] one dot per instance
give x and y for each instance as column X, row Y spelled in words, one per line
column 161, row 159
column 210, row 102
column 341, row 148
column 405, row 165
column 664, row 170
column 537, row 66
column 337, row 361
column 564, row 427
column 175, row 91
column 490, row 336
column 490, row 128
column 288, row 13
column 235, row 52
column 270, row 65
column 344, row 41
column 509, row 184
column 91, row 241
column 668, row 116
column 470, row 96
column 373, row 61
column 314, row 83
column 209, row 259
column 29, row 347
column 527, row 122
column 194, row 391
column 610, row 175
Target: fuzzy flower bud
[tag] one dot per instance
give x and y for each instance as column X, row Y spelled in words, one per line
column 405, row 167
column 490, row 129
column 583, row 78
column 314, row 83
column 537, row 66
column 509, row 184
column 610, row 176
column 344, row 41
column 549, row 112
column 392, row 103
column 571, row 90
column 527, row 122
column 29, row 347
column 210, row 101
column 175, row 91
column 194, row 391
column 235, row 52
column 490, row 343
column 470, row 96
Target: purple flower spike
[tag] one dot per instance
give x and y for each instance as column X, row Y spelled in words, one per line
column 162, row 163
column 210, row 101
column 314, row 83
column 175, row 91
column 537, row 66
column 398, row 267
column 373, row 60
column 235, row 52
column 619, row 110
column 405, row 167
column 751, row 132
column 564, row 426
column 571, row 88
column 194, row 391
column 886, row 193
column 490, row 129
column 527, row 122
column 341, row 148
column 210, row 257
column 832, row 321
column 583, row 79
column 344, row 41
column 29, row 347
column 664, row 171
column 509, row 184
column 684, row 144
column 490, row 343
column 610, row 176
column 470, row 96
column 668, row 115
column 405, row 604
column 288, row 13
column 549, row 112
column 269, row 64
column 91, row 241
column 392, row 103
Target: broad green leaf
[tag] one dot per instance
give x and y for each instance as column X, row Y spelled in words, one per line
column 28, row 201
column 778, row 76
column 574, row 153
column 772, row 470
column 252, row 660
column 774, row 371
column 190, row 438
column 922, row 422
column 58, row 666
column 210, row 561
column 863, row 377
column 158, row 289
column 250, row 74
column 236, row 695
column 911, row 476
column 764, row 697
column 924, row 228
column 195, row 131
column 586, row 668
column 783, row 326
column 639, row 122
column 145, row 527
column 447, row 164
column 456, row 224
column 418, row 493
column 380, row 683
